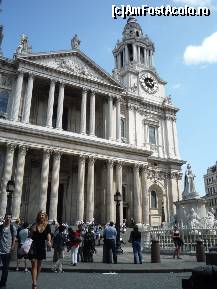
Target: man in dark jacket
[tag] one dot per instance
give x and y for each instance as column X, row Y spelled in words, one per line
column 135, row 239
column 7, row 244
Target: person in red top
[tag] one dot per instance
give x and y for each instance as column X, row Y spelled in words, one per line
column 75, row 240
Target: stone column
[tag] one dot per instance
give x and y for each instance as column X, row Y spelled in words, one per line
column 50, row 104
column 175, row 136
column 137, row 198
column 110, row 110
column 83, row 111
column 44, row 180
column 6, row 177
column 60, row 107
column 54, row 187
column 126, row 55
column 138, row 47
column 17, row 96
column 28, row 99
column 134, row 53
column 110, row 192
column 90, row 190
column 17, row 195
column 80, row 198
column 146, row 206
column 118, row 120
column 119, row 187
column 92, row 113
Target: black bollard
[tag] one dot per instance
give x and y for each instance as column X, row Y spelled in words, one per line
column 155, row 251
column 200, row 251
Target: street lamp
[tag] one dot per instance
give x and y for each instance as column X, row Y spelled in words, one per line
column 117, row 199
column 9, row 189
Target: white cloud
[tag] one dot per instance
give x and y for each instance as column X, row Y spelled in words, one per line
column 195, row 3
column 206, row 53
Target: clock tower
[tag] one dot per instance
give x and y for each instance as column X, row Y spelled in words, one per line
column 134, row 67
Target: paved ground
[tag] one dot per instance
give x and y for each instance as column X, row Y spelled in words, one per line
column 20, row 280
column 125, row 264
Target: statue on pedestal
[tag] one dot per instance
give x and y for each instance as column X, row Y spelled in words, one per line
column 23, row 47
column 189, row 186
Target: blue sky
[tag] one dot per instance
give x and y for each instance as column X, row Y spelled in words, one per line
column 192, row 80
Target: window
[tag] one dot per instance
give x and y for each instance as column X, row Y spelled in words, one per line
column 130, row 51
column 123, row 134
column 122, row 59
column 152, row 135
column 153, row 199
column 4, row 95
column 142, row 55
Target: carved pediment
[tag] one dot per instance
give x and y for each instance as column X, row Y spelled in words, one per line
column 74, row 62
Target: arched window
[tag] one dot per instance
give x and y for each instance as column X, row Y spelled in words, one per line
column 153, row 200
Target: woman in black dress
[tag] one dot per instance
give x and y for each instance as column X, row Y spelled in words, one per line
column 177, row 242
column 39, row 232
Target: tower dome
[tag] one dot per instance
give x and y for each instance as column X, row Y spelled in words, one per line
column 132, row 29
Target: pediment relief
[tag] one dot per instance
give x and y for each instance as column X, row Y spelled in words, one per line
column 76, row 64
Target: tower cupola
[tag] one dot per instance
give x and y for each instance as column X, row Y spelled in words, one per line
column 135, row 51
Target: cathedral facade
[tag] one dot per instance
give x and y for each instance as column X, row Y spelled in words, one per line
column 72, row 135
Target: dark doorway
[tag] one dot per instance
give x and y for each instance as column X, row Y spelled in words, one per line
column 124, row 212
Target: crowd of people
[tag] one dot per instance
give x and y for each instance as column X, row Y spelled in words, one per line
column 33, row 241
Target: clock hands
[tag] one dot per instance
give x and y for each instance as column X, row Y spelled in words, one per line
column 149, row 82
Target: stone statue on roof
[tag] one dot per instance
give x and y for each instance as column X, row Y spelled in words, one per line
column 75, row 42
column 23, row 46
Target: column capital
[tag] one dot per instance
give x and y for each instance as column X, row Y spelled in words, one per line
column 137, row 167
column 110, row 163
column 91, row 159
column 84, row 89
column 11, row 146
column 47, row 151
column 61, row 83
column 118, row 99
column 92, row 92
column 119, row 164
column 21, row 71
column 82, row 158
column 110, row 97
column 31, row 74
column 57, row 154
column 144, row 168
column 53, row 81
column 23, row 149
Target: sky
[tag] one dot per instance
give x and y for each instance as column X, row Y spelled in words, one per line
column 185, row 56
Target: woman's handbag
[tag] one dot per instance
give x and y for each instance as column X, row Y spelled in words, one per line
column 26, row 246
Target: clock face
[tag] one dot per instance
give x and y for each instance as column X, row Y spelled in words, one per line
column 148, row 82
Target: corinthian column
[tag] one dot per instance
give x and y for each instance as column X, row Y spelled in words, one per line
column 44, row 180
column 118, row 120
column 119, row 187
column 6, row 177
column 17, row 96
column 28, row 99
column 17, row 195
column 50, row 104
column 54, row 186
column 145, row 205
column 137, row 197
column 92, row 113
column 60, row 107
column 80, row 197
column 110, row 192
column 110, row 110
column 90, row 190
column 83, row 111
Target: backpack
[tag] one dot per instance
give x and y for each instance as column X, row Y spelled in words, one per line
column 11, row 229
